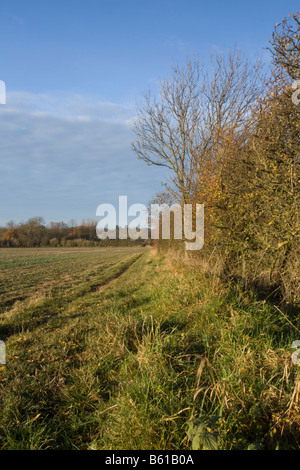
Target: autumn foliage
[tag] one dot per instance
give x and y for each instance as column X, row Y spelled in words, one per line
column 247, row 170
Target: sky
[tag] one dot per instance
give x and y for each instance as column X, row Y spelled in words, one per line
column 74, row 72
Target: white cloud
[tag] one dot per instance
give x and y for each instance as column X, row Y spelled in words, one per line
column 65, row 157
column 68, row 106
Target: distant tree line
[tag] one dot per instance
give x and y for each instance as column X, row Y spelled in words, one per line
column 230, row 136
column 35, row 233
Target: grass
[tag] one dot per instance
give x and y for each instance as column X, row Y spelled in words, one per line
column 133, row 348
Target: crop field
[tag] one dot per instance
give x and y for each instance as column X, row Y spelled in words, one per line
column 122, row 349
column 28, row 273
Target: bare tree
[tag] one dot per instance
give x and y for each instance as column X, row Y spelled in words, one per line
column 167, row 129
column 184, row 127
column 230, row 90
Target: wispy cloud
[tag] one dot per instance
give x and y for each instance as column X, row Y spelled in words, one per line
column 61, row 158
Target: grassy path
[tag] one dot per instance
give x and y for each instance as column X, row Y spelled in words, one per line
column 127, row 358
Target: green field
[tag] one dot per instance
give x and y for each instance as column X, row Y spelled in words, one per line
column 122, row 349
column 30, row 273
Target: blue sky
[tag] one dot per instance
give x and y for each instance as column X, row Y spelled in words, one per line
column 74, row 71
